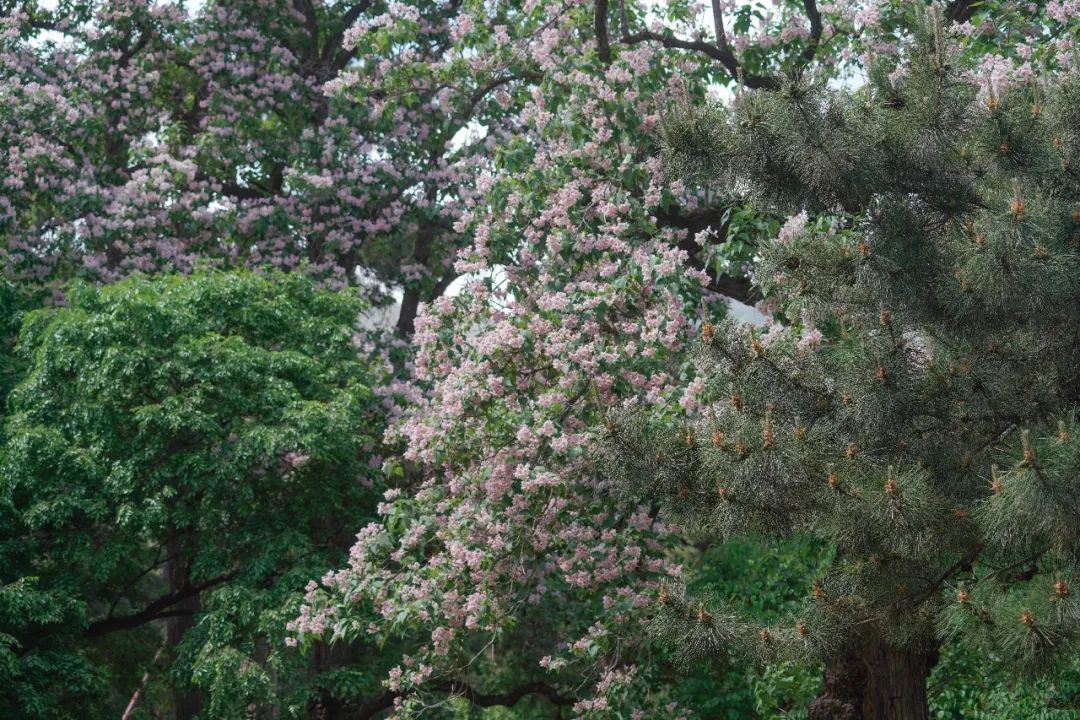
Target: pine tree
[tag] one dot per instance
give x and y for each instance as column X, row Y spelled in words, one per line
column 932, row 436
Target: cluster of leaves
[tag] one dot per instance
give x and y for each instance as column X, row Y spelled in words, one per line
column 187, row 449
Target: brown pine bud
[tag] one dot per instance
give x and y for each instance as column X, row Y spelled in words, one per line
column 736, row 401
column 864, row 248
column 1029, row 455
column 992, row 103
column 1041, row 252
column 960, row 513
column 890, row 488
column 1061, row 589
column 708, row 332
column 609, row 423
column 980, row 239
column 663, row 597
column 1027, row 619
column 994, row 347
column 1017, row 208
column 765, row 635
column 819, row 590
column 769, row 438
column 1063, row 432
column 742, row 450
column 703, row 616
column 801, row 629
column 690, row 439
column 1076, row 215
column 852, row 450
column 758, row 348
column 718, row 439
column 834, row 481
column 800, row 432
column 1036, row 109
column 882, row 374
column 846, row 399
column 886, row 318
column 1003, row 149
column 997, row 485
column 723, row 493
column 962, row 596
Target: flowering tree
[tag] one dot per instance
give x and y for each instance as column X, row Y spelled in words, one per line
column 409, row 143
column 512, row 534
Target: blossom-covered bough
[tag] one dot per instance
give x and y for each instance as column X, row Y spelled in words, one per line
column 403, row 145
column 511, row 549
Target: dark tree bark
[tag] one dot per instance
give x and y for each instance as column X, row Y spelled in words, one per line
column 841, row 694
column 876, row 682
column 187, row 703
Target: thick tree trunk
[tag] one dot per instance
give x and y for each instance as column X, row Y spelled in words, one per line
column 875, row 682
column 896, row 683
column 186, row 702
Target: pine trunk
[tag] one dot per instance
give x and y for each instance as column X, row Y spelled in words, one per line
column 875, row 682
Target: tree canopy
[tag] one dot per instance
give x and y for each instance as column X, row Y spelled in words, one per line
column 928, row 430
column 490, row 177
column 215, row 428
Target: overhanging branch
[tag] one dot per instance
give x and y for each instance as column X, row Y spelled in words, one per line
column 157, row 610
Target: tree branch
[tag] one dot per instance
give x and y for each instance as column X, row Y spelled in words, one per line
column 156, row 610
column 721, row 54
column 603, row 44
column 959, row 11
column 718, row 25
column 816, row 28
column 334, row 54
column 693, row 222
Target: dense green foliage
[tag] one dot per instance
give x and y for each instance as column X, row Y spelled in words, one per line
column 932, row 436
column 183, row 457
column 174, row 440
column 15, row 300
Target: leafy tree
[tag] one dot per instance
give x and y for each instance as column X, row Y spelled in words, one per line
column 181, row 455
column 411, row 143
column 928, row 431
column 585, row 299
column 15, row 300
